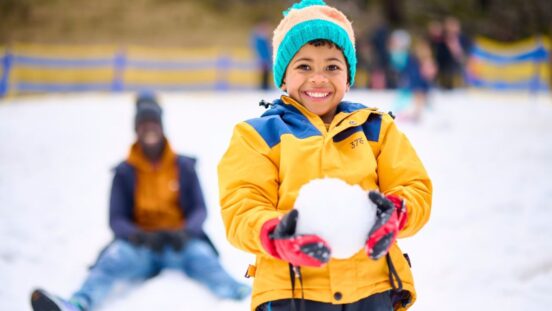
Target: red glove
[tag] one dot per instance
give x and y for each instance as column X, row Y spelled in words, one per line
column 390, row 219
column 279, row 240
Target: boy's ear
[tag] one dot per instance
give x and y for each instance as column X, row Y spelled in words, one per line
column 283, row 87
column 348, row 86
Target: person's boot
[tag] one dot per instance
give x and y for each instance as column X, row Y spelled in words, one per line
column 41, row 300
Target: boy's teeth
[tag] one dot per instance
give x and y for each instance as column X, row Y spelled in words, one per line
column 317, row 94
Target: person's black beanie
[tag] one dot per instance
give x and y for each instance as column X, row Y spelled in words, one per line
column 147, row 108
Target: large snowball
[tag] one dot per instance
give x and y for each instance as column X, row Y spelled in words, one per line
column 338, row 212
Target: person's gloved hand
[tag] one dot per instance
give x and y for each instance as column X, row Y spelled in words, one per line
column 177, row 239
column 279, row 240
column 154, row 240
column 391, row 217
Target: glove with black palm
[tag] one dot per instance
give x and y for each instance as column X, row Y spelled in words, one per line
column 391, row 217
column 279, row 239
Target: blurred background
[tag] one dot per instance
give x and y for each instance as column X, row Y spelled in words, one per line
column 469, row 82
column 58, row 46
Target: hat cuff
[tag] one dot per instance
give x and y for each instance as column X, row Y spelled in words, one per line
column 305, row 32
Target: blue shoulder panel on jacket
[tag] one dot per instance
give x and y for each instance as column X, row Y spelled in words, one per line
column 283, row 119
column 372, row 127
column 349, row 107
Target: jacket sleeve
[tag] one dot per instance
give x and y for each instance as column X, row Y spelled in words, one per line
column 193, row 200
column 401, row 173
column 121, row 205
column 248, row 185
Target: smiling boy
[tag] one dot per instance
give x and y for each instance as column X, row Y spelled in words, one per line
column 312, row 133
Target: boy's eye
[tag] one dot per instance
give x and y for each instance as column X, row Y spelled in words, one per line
column 333, row 67
column 303, row 67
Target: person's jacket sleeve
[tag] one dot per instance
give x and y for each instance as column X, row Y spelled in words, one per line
column 401, row 173
column 121, row 203
column 248, row 184
column 192, row 197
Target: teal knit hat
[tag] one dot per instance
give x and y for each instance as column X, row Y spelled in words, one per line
column 307, row 21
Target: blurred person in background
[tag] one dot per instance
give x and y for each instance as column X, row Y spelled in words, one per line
column 380, row 62
column 156, row 214
column 436, row 39
column 412, row 72
column 260, row 42
column 428, row 72
column 453, row 55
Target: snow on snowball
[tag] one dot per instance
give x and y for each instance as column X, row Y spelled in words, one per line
column 338, row 212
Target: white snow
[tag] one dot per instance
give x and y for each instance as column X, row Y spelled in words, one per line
column 487, row 245
column 339, row 213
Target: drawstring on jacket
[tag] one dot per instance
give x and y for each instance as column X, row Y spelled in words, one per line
column 265, row 104
column 399, row 296
column 393, row 274
column 295, row 271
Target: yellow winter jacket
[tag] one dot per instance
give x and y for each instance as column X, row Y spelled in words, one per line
column 271, row 157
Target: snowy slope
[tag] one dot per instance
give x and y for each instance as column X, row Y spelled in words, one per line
column 486, row 247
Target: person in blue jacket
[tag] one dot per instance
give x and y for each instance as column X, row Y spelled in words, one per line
column 413, row 73
column 156, row 214
column 260, row 42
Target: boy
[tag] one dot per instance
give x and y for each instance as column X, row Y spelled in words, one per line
column 311, row 133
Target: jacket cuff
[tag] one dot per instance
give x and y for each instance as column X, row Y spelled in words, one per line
column 266, row 241
column 400, row 209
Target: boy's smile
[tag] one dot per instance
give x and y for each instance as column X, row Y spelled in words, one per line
column 317, row 78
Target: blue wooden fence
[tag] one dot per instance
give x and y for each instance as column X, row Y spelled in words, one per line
column 39, row 69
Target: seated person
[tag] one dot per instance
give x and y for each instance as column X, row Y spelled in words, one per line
column 156, row 213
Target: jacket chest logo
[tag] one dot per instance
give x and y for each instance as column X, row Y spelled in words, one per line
column 357, row 142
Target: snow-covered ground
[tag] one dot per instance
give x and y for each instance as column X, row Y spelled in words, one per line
column 487, row 246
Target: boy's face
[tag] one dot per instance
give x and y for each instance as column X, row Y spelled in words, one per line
column 316, row 77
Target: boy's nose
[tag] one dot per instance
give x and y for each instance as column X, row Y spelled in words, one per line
column 318, row 78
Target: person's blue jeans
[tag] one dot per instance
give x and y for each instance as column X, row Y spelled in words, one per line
column 124, row 261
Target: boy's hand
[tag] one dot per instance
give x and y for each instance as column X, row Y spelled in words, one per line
column 390, row 219
column 279, row 240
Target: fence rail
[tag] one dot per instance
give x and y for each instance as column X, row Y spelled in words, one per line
column 42, row 68
column 33, row 68
column 523, row 65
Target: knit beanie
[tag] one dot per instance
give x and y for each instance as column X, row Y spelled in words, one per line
column 147, row 108
column 307, row 21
